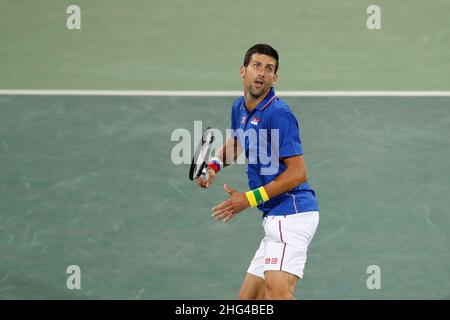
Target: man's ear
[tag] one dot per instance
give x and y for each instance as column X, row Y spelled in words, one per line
column 275, row 78
column 242, row 72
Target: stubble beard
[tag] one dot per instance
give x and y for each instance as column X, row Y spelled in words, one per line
column 254, row 94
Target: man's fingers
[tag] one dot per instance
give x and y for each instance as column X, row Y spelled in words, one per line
column 225, row 216
column 220, row 211
column 220, row 216
column 229, row 217
column 204, row 183
column 201, row 182
column 210, row 180
column 220, row 206
column 228, row 189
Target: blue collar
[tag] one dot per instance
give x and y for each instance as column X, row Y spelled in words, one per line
column 266, row 101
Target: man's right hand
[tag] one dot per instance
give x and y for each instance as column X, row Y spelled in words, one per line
column 206, row 183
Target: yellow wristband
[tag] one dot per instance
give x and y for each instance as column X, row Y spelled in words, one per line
column 263, row 193
column 251, row 199
column 257, row 196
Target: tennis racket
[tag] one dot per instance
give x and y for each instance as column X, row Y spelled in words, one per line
column 199, row 166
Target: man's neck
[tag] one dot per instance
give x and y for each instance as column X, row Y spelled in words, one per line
column 251, row 102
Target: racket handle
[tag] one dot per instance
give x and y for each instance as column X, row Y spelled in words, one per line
column 205, row 174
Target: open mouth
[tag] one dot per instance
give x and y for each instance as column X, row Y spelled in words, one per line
column 259, row 83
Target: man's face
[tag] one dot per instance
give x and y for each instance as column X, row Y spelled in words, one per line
column 259, row 75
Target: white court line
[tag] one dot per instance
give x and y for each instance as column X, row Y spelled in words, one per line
column 231, row 93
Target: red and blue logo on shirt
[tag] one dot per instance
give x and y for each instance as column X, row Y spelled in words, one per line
column 255, row 121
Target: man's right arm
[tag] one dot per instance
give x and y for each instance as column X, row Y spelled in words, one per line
column 227, row 154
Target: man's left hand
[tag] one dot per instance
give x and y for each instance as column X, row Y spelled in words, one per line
column 232, row 206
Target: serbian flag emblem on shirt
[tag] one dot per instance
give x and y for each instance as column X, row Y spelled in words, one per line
column 255, row 121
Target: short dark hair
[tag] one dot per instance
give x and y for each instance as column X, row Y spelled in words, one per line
column 261, row 48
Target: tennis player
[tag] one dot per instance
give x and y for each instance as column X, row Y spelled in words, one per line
column 279, row 188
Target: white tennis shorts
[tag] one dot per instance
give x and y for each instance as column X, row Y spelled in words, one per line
column 285, row 243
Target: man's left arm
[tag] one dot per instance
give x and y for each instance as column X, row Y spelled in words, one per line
column 294, row 175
